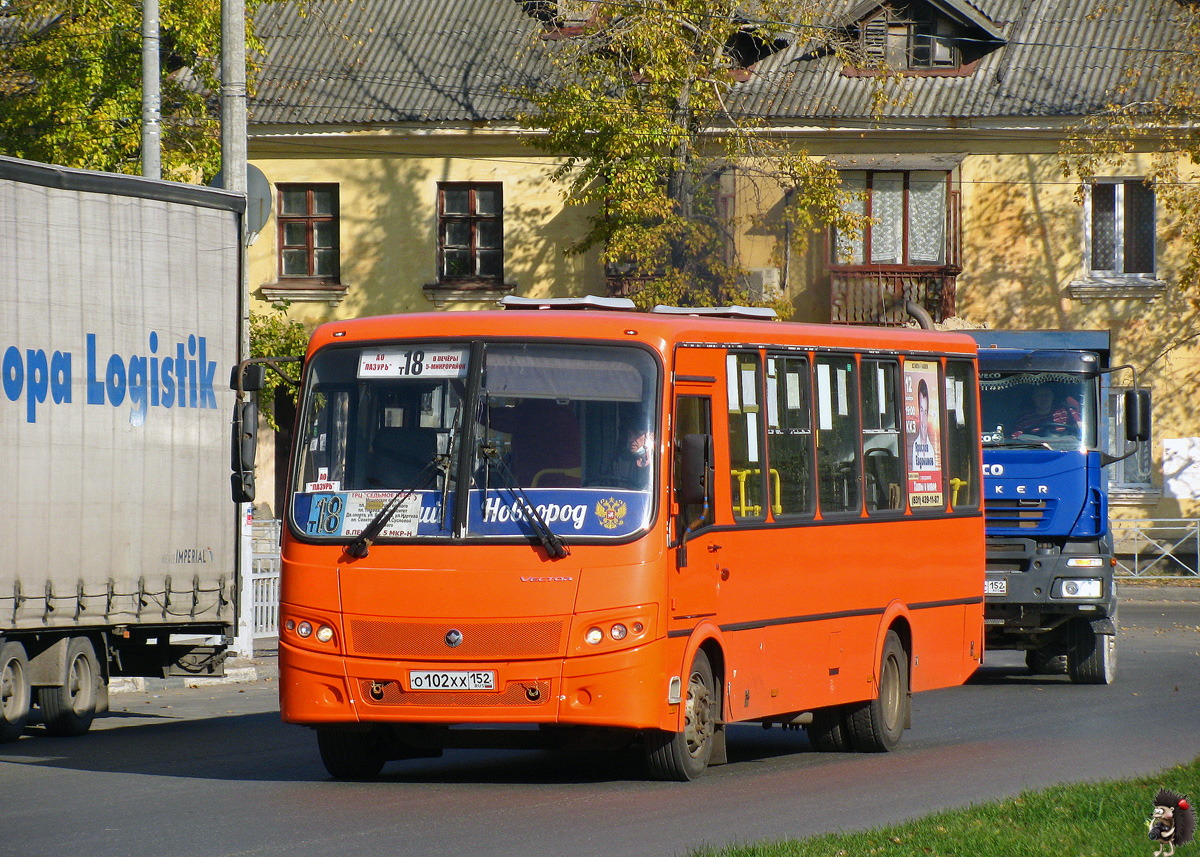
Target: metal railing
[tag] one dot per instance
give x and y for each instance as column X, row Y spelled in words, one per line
column 1157, row 548
column 264, row 577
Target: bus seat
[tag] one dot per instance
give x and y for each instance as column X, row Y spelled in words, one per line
column 398, row 455
column 883, row 479
column 558, row 477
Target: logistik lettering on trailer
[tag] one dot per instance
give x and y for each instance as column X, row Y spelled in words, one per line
column 182, row 380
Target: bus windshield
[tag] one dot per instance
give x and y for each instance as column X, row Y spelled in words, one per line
column 560, row 432
column 1054, row 410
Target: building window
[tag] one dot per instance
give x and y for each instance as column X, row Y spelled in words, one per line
column 1131, row 475
column 470, row 232
column 914, row 38
column 1120, row 228
column 908, row 213
column 308, row 232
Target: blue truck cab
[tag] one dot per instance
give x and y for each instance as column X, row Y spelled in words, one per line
column 1049, row 583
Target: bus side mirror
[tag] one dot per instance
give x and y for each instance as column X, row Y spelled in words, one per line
column 695, row 463
column 254, row 377
column 1137, row 415
column 243, row 447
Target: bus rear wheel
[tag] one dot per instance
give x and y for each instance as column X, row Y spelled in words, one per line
column 69, row 708
column 876, row 725
column 350, row 754
column 15, row 693
column 683, row 756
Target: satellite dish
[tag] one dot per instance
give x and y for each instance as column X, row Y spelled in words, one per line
column 258, row 200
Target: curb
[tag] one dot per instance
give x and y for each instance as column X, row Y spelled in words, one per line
column 236, row 672
column 1151, row 593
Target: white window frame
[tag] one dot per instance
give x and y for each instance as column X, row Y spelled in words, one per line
column 1119, row 225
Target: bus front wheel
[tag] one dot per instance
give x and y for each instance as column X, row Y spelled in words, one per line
column 876, row 725
column 684, row 755
column 350, row 754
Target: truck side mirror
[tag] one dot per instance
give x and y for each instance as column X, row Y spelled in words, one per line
column 254, row 377
column 695, row 462
column 1137, row 415
column 243, row 447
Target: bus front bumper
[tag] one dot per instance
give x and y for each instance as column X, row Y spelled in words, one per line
column 618, row 689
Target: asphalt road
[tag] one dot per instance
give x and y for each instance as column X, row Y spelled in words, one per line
column 211, row 772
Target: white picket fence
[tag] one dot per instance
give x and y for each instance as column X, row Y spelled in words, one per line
column 264, row 577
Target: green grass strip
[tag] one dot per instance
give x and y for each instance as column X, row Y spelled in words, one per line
column 1089, row 820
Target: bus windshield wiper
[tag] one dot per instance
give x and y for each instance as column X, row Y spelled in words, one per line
column 361, row 545
column 551, row 541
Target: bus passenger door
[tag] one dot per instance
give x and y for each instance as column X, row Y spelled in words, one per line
column 695, row 581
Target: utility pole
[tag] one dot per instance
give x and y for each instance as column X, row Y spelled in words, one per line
column 233, row 94
column 233, row 172
column 151, row 93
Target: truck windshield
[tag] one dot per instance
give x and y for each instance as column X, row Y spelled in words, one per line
column 560, row 432
column 1057, row 410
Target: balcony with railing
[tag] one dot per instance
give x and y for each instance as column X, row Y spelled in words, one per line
column 875, row 292
column 877, row 295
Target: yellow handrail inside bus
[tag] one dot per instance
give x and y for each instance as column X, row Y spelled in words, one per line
column 742, row 507
column 955, row 484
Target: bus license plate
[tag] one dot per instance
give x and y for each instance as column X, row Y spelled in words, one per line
column 452, row 679
column 995, row 587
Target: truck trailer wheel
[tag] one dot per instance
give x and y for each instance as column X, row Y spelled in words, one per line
column 68, row 710
column 15, row 693
column 350, row 754
column 876, row 726
column 1091, row 657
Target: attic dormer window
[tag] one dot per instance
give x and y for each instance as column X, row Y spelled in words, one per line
column 912, row 38
column 921, row 37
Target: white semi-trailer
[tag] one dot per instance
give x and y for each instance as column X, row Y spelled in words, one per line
column 119, row 308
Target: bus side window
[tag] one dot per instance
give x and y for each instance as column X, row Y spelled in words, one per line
column 789, row 436
column 744, row 383
column 883, row 471
column 693, row 415
column 837, row 434
column 962, row 427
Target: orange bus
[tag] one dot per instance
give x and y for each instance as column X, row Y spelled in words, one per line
column 562, row 522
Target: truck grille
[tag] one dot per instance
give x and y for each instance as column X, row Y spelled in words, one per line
column 1024, row 514
column 426, row 639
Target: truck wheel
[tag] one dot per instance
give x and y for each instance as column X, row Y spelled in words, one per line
column 828, row 731
column 875, row 726
column 15, row 693
column 1091, row 657
column 350, row 754
column 68, row 710
column 684, row 755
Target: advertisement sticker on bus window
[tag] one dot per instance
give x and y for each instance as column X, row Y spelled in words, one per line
column 496, row 512
column 922, row 426
column 347, row 514
column 412, row 363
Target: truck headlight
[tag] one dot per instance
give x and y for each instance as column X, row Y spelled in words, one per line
column 1085, row 562
column 1080, row 588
